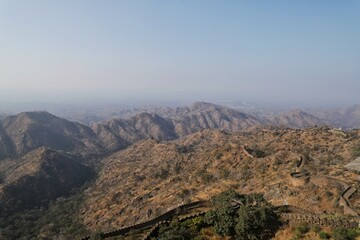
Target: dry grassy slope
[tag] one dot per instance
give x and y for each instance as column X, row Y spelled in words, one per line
column 26, row 131
column 119, row 133
column 148, row 178
column 7, row 147
column 38, row 177
column 173, row 123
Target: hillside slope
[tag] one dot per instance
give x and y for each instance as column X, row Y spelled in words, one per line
column 120, row 133
column 38, row 177
column 171, row 123
column 347, row 118
column 149, row 177
column 26, row 131
column 296, row 119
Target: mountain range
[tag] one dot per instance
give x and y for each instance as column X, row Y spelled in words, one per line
column 27, row 131
column 44, row 157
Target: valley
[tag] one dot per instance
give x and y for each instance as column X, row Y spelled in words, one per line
column 128, row 171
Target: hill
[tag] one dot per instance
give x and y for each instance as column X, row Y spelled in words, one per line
column 120, row 133
column 150, row 177
column 202, row 115
column 171, row 123
column 152, row 162
column 27, row 131
column 296, row 119
column 347, row 117
column 38, row 177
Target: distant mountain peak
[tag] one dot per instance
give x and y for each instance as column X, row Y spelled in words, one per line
column 26, row 131
column 201, row 105
column 296, row 119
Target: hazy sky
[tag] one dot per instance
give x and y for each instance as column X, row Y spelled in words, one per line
column 269, row 51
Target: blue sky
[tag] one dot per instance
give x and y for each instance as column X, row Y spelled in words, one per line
column 264, row 51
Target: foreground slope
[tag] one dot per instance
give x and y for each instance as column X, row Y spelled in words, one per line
column 149, row 177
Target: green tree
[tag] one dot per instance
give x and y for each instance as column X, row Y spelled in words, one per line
column 344, row 234
column 243, row 216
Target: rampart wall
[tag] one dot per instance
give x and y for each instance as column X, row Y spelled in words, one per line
column 344, row 201
column 294, row 219
column 148, row 224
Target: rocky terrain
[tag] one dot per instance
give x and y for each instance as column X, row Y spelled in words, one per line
column 137, row 168
column 135, row 182
column 171, row 123
column 345, row 117
column 24, row 132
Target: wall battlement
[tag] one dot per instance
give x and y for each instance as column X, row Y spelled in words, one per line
column 148, row 224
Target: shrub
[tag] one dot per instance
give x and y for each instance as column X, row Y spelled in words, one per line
column 324, row 235
column 301, row 230
column 205, row 176
column 177, row 167
column 243, row 216
column 256, row 152
column 184, row 193
column 245, row 172
column 356, row 151
column 162, row 174
column 185, row 149
column 344, row 234
column 218, row 155
column 224, row 173
column 189, row 229
column 316, row 228
column 352, row 233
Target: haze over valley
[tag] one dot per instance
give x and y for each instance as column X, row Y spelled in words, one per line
column 175, row 120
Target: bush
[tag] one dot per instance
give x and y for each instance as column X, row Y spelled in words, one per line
column 218, row 155
column 301, row 230
column 243, row 216
column 352, row 233
column 356, row 151
column 205, row 176
column 162, row 173
column 344, row 234
column 256, row 152
column 324, row 235
column 316, row 228
column 185, row 149
column 189, row 229
column 245, row 172
column 184, row 193
column 224, row 173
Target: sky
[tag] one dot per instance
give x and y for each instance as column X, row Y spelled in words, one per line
column 112, row 51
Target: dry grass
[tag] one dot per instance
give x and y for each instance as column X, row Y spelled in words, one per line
column 149, row 178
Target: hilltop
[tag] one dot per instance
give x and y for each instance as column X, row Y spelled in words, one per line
column 27, row 131
column 296, row 119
